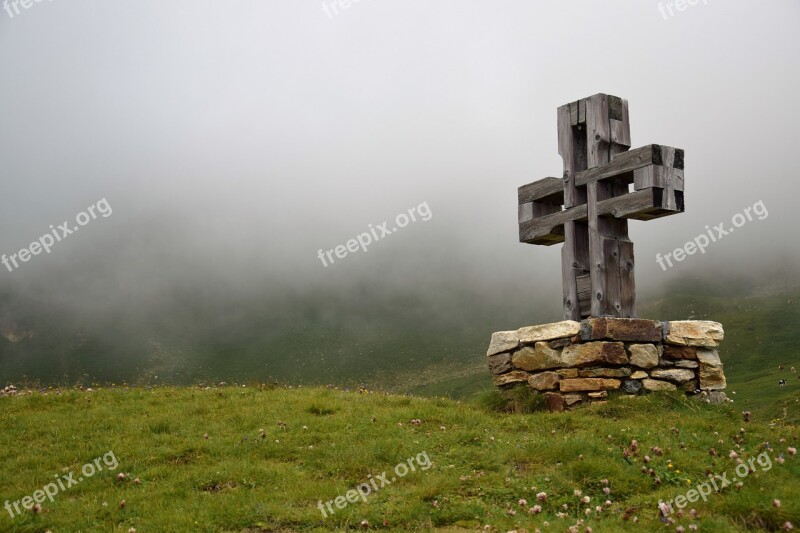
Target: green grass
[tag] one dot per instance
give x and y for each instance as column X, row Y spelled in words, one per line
column 320, row 443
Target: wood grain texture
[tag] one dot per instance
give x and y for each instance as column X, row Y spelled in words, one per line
column 546, row 189
column 621, row 128
column 577, row 112
column 624, row 163
column 569, row 253
column 598, row 128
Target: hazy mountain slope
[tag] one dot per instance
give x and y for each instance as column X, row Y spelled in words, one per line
column 386, row 337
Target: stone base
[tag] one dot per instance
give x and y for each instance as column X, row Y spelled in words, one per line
column 577, row 362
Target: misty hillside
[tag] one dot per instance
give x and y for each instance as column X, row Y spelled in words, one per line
column 393, row 339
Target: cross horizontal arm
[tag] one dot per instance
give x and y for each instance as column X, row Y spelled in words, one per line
column 650, row 155
column 646, row 204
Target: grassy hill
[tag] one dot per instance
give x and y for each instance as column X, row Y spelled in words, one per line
column 196, row 459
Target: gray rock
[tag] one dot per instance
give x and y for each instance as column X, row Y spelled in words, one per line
column 500, row 363
column 544, row 381
column 712, row 377
column 503, row 341
column 679, row 375
column 643, row 355
column 709, row 357
column 717, row 397
column 632, row 386
column 541, row 357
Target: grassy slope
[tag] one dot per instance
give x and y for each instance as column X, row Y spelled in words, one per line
column 483, row 461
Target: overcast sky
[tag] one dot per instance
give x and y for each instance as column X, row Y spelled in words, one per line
column 240, row 137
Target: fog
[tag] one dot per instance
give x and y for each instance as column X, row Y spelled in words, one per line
column 235, row 140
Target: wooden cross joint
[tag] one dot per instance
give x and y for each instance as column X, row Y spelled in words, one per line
column 589, row 207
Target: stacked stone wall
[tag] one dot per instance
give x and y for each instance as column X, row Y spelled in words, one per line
column 575, row 362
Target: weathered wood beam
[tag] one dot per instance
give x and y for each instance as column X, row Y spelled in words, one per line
column 625, row 162
column 549, row 229
column 525, row 212
column 620, row 124
column 647, row 204
column 574, row 256
column 550, row 190
column 577, row 112
column 598, row 131
column 665, row 177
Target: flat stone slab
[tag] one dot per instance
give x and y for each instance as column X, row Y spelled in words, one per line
column 517, row 376
column 605, row 373
column 656, row 385
column 549, row 332
column 680, row 352
column 594, row 353
column 681, row 375
column 703, row 333
column 588, row 384
column 503, row 341
column 622, row 329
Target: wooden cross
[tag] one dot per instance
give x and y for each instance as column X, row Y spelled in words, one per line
column 588, row 209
